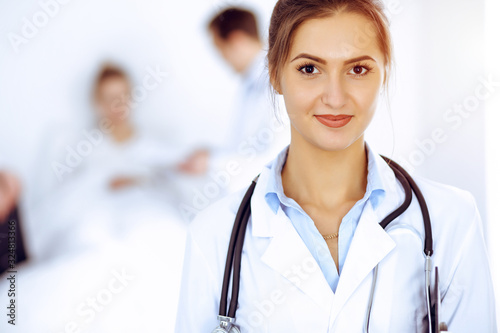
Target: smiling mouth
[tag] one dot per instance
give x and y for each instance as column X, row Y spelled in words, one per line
column 334, row 121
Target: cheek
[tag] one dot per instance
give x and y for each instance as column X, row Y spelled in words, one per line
column 300, row 98
column 364, row 96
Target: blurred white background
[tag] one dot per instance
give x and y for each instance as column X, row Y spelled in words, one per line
column 444, row 50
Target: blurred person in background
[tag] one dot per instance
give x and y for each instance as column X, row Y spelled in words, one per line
column 124, row 175
column 127, row 157
column 255, row 134
column 235, row 34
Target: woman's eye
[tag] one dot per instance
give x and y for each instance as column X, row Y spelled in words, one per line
column 358, row 70
column 308, row 69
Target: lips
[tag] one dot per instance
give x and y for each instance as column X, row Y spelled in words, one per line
column 334, row 121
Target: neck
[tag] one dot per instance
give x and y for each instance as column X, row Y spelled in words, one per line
column 325, row 179
column 249, row 55
column 122, row 131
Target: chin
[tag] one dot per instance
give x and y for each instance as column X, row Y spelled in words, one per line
column 333, row 141
column 332, row 146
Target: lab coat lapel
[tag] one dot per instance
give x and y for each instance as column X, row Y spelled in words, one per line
column 369, row 246
column 286, row 252
column 289, row 256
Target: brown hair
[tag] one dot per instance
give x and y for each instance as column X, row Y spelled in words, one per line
column 288, row 15
column 108, row 71
column 232, row 19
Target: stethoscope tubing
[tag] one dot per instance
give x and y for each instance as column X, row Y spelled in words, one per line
column 235, row 245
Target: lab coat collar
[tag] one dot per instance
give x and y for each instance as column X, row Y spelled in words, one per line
column 389, row 182
column 261, row 225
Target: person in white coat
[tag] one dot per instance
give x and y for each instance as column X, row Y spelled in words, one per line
column 313, row 241
column 254, row 135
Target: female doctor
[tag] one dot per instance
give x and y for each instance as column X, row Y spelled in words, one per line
column 313, row 245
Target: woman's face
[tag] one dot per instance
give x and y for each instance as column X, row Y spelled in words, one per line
column 113, row 99
column 332, row 79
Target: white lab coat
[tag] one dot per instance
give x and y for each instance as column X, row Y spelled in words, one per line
column 283, row 289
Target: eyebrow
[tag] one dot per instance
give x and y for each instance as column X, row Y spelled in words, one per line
column 322, row 61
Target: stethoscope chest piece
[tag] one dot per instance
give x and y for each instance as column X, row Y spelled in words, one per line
column 226, row 326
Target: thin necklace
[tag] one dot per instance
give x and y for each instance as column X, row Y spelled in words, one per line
column 335, row 235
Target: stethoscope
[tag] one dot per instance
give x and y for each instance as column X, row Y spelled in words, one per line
column 233, row 259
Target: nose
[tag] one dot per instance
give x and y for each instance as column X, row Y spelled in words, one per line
column 334, row 93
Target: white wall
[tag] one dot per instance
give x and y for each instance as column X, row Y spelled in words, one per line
column 438, row 61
